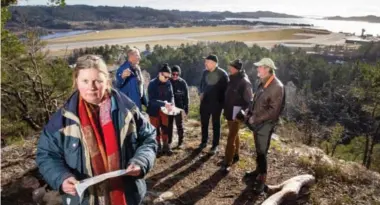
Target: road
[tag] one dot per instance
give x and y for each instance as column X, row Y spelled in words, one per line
column 331, row 39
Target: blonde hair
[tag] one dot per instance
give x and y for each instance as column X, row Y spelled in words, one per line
column 87, row 62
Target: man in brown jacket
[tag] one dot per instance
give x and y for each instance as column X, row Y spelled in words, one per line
column 238, row 96
column 263, row 115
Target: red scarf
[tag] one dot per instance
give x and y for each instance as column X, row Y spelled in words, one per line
column 99, row 133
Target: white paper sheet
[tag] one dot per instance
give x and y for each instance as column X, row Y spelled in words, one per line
column 84, row 184
column 174, row 111
column 236, row 110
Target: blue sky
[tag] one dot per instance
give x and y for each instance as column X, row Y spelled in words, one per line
column 296, row 7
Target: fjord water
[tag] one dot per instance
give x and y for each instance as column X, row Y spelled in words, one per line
column 331, row 25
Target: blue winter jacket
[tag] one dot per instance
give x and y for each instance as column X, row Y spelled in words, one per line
column 158, row 92
column 61, row 153
column 130, row 85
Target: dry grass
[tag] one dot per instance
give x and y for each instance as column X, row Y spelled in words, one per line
column 316, row 31
column 142, row 32
column 285, row 34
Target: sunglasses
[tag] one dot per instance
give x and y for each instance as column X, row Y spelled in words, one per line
column 166, row 77
column 175, row 74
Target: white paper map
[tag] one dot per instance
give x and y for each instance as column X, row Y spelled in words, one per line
column 174, row 111
column 84, row 184
column 236, row 110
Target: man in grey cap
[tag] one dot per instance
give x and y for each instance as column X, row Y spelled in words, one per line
column 213, row 85
column 263, row 114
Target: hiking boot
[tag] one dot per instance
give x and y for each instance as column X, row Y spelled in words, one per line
column 202, row 146
column 180, row 142
column 167, row 150
column 236, row 159
column 213, row 150
column 159, row 148
column 259, row 186
column 226, row 168
column 251, row 175
column 180, row 146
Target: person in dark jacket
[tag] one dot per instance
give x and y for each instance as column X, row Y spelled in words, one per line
column 263, row 114
column 212, row 88
column 129, row 79
column 238, row 97
column 181, row 98
column 98, row 130
column 160, row 93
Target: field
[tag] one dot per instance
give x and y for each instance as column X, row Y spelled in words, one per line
column 142, row 32
column 139, row 45
column 176, row 36
column 286, row 34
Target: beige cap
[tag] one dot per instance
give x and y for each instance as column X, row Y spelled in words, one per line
column 266, row 62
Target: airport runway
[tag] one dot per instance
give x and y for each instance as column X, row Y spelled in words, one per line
column 331, row 39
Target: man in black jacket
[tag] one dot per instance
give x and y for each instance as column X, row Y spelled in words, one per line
column 212, row 88
column 181, row 99
column 238, row 96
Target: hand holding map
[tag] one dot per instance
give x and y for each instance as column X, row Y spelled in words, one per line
column 84, row 184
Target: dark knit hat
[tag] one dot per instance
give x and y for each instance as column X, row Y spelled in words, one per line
column 238, row 64
column 177, row 69
column 165, row 68
column 212, row 57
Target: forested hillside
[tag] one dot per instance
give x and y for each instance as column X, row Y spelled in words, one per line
column 105, row 17
column 369, row 18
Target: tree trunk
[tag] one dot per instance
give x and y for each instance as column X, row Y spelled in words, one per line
column 310, row 139
column 369, row 157
column 370, row 151
column 333, row 149
column 366, row 148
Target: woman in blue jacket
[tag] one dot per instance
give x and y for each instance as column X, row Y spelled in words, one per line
column 98, row 130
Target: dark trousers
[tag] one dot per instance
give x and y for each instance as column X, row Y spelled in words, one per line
column 179, row 123
column 206, row 113
column 262, row 138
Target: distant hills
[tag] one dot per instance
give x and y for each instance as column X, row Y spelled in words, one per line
column 106, row 17
column 369, row 18
column 257, row 14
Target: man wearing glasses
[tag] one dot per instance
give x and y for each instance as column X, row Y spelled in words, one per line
column 160, row 93
column 181, row 98
column 212, row 88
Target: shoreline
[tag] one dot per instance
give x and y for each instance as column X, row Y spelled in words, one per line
column 263, row 36
column 258, row 28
